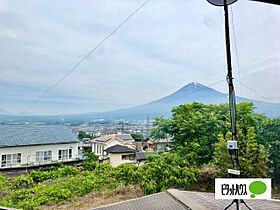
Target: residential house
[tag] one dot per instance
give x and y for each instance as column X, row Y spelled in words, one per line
column 119, row 154
column 162, row 144
column 141, row 157
column 148, row 145
column 100, row 144
column 27, row 145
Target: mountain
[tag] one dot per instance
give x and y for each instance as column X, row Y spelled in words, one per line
column 193, row 92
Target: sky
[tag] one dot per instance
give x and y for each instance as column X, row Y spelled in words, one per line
column 164, row 46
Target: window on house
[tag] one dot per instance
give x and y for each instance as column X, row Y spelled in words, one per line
column 70, row 153
column 43, row 156
column 65, row 154
column 10, row 159
column 125, row 157
column 131, row 157
column 128, row 157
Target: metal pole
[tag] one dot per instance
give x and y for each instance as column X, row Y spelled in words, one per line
column 232, row 103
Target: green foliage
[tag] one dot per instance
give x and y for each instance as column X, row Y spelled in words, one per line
column 163, row 128
column 165, row 171
column 268, row 134
column 83, row 134
column 90, row 163
column 196, row 127
column 252, row 156
column 54, row 186
column 138, row 136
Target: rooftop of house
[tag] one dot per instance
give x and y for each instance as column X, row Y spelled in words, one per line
column 167, row 140
column 119, row 149
column 108, row 137
column 175, row 200
column 23, row 135
column 143, row 155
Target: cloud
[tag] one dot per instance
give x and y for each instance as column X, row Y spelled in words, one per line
column 166, row 45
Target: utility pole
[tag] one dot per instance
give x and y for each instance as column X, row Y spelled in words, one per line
column 232, row 145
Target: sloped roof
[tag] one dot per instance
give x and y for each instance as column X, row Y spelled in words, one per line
column 143, row 155
column 174, row 199
column 119, row 149
column 124, row 137
column 22, row 135
column 108, row 137
column 162, row 141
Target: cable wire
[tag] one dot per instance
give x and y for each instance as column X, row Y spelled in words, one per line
column 235, row 44
column 253, row 90
column 87, row 55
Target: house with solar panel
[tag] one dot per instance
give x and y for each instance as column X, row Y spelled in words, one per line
column 32, row 145
column 114, row 149
column 100, row 144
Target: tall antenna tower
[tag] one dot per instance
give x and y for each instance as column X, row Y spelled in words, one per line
column 148, row 126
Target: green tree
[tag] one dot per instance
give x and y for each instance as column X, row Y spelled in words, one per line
column 90, row 163
column 268, row 134
column 163, row 128
column 252, row 156
column 195, row 127
column 83, row 134
column 137, row 136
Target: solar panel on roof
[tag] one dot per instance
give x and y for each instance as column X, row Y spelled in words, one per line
column 103, row 139
column 124, row 137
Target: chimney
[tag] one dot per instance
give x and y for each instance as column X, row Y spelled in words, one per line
column 139, row 146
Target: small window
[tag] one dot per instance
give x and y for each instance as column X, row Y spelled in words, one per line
column 64, row 154
column 10, row 159
column 131, row 157
column 3, row 162
column 43, row 156
column 126, row 157
column 70, row 153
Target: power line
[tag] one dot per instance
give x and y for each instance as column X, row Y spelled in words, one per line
column 253, row 90
column 235, row 44
column 87, row 55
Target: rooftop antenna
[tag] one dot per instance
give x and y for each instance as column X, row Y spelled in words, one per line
column 232, row 145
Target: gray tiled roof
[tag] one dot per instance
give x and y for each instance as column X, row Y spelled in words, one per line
column 119, row 149
column 162, row 141
column 159, row 201
column 174, row 199
column 20, row 135
column 143, row 155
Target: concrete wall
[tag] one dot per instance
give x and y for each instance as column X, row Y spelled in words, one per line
column 116, row 159
column 28, row 153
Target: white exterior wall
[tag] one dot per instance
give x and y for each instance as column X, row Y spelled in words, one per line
column 116, row 159
column 98, row 148
column 28, row 153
